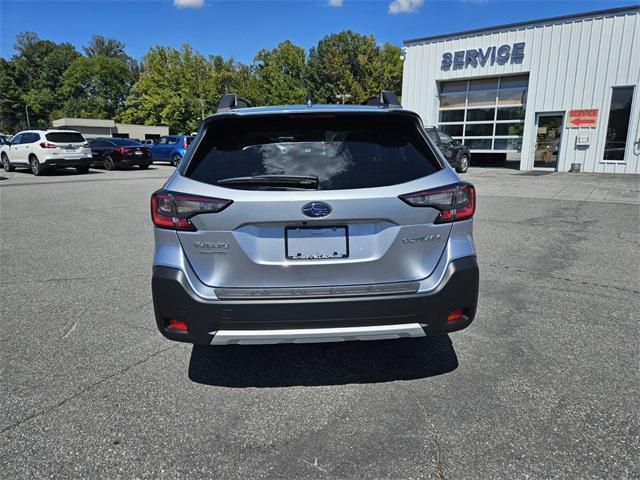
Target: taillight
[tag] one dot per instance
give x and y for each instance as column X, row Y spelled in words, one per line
column 185, row 145
column 455, row 202
column 48, row 145
column 86, row 145
column 173, row 210
column 121, row 150
column 178, row 325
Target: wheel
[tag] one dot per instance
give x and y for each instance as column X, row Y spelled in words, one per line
column 144, row 166
column 109, row 164
column 175, row 160
column 6, row 164
column 82, row 170
column 464, row 165
column 36, row 168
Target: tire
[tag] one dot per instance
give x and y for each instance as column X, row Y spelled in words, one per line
column 82, row 170
column 6, row 164
column 175, row 159
column 144, row 166
column 464, row 165
column 109, row 164
column 36, row 168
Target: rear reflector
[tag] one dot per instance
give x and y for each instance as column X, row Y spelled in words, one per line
column 173, row 210
column 455, row 315
column 177, row 325
column 455, row 202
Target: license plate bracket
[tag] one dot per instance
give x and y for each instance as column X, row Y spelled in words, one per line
column 316, row 243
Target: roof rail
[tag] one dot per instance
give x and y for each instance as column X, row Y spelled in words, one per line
column 231, row 101
column 383, row 99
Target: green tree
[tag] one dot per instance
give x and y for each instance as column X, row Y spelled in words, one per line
column 95, row 87
column 175, row 88
column 39, row 67
column 230, row 77
column 12, row 107
column 279, row 76
column 351, row 64
column 389, row 69
column 100, row 46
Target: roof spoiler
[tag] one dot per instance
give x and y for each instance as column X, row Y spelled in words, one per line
column 383, row 99
column 231, row 101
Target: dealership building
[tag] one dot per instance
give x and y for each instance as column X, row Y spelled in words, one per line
column 94, row 127
column 555, row 94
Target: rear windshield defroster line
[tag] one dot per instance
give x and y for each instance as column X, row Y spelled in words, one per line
column 343, row 151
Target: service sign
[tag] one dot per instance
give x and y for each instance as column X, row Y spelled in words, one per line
column 583, row 118
column 478, row 57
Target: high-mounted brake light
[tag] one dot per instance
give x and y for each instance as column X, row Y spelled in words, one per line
column 455, row 202
column 174, row 210
column 48, row 145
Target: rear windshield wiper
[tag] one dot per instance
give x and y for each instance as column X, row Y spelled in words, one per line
column 293, row 181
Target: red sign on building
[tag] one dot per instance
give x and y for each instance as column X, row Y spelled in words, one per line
column 582, row 118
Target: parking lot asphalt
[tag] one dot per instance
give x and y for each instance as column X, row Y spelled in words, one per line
column 544, row 384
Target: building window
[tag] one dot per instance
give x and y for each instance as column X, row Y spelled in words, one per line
column 486, row 114
column 618, row 124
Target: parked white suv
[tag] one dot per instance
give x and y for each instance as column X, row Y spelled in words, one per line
column 41, row 150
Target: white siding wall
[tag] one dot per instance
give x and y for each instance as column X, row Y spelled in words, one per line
column 571, row 65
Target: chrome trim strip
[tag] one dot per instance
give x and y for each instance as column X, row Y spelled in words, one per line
column 317, row 292
column 316, row 335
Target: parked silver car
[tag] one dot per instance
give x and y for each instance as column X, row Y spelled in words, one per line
column 313, row 223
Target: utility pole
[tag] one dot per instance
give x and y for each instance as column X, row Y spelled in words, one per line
column 26, row 109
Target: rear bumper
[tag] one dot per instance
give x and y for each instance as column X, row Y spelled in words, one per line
column 315, row 319
column 133, row 161
column 72, row 162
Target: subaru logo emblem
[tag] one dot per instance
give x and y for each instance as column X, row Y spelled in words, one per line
column 316, row 209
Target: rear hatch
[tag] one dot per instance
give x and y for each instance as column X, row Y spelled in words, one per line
column 131, row 149
column 314, row 200
column 68, row 145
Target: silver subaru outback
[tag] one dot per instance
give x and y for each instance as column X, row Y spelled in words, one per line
column 313, row 223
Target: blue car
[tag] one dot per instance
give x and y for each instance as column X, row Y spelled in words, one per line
column 171, row 148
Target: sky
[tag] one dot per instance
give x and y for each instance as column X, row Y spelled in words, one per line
column 240, row 28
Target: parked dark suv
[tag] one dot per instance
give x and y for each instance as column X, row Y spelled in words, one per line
column 111, row 153
column 456, row 153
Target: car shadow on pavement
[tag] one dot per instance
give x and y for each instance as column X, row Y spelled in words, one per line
column 322, row 364
column 59, row 172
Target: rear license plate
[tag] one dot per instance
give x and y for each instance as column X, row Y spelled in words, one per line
column 138, row 152
column 70, row 149
column 316, row 243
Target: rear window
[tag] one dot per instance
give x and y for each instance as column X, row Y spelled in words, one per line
column 65, row 137
column 124, row 141
column 342, row 151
